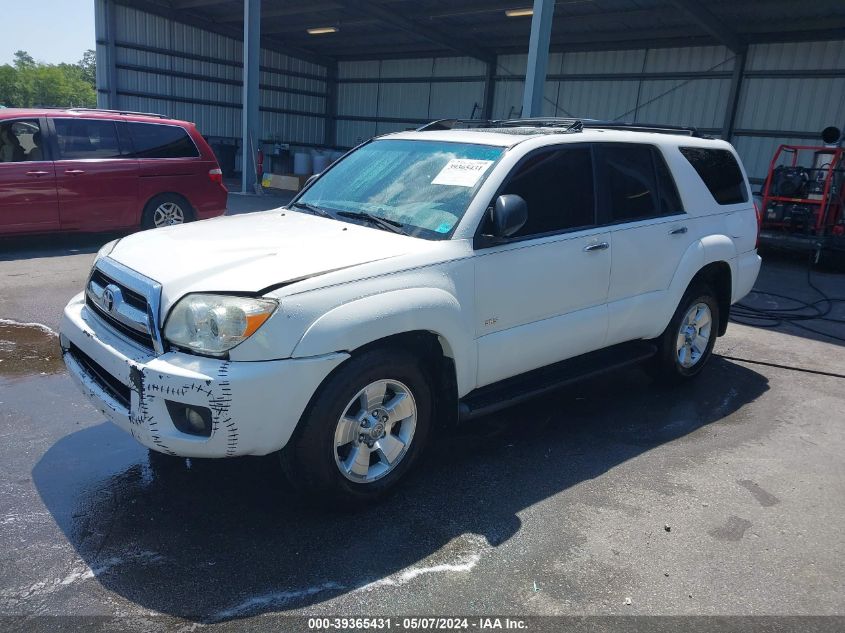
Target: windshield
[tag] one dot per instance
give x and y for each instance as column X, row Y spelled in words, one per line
column 424, row 187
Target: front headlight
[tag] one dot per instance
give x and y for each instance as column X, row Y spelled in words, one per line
column 214, row 324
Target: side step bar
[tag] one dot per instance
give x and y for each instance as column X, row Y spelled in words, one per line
column 511, row 391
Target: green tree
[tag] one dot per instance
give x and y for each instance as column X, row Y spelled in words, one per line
column 23, row 60
column 8, row 85
column 28, row 83
column 88, row 65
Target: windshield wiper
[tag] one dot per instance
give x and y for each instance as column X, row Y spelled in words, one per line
column 384, row 223
column 312, row 208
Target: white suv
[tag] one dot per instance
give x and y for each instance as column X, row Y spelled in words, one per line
column 426, row 277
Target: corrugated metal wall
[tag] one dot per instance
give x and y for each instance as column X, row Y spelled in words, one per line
column 790, row 91
column 189, row 73
column 669, row 85
column 376, row 97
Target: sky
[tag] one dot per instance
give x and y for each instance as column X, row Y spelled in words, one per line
column 52, row 31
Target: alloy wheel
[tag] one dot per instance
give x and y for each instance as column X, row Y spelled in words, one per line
column 168, row 214
column 375, row 431
column 694, row 335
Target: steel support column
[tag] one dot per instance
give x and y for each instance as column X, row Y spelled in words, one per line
column 734, row 94
column 104, row 21
column 538, row 58
column 251, row 131
column 489, row 90
column 330, row 131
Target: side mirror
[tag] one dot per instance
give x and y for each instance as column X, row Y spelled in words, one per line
column 509, row 214
column 310, row 180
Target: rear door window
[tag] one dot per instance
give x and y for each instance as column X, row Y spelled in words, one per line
column 629, row 182
column 720, row 172
column 670, row 201
column 87, row 138
column 154, row 140
column 636, row 183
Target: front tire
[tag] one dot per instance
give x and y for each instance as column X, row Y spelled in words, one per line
column 363, row 430
column 687, row 343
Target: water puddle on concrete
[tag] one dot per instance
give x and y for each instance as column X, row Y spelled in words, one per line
column 28, row 349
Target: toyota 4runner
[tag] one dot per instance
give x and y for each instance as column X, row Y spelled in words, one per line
column 426, row 277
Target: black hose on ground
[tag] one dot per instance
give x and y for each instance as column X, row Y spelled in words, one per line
column 801, row 312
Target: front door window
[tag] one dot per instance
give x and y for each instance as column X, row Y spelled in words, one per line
column 20, row 141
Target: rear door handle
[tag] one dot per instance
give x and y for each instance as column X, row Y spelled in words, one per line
column 599, row 246
column 75, row 172
column 679, row 231
column 37, row 173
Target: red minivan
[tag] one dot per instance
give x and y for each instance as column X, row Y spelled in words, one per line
column 103, row 170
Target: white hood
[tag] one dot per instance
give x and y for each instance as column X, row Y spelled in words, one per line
column 250, row 252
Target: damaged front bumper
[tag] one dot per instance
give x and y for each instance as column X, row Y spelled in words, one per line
column 254, row 406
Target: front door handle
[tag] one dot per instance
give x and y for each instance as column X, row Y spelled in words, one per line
column 598, row 246
column 679, row 231
column 75, row 172
column 37, row 173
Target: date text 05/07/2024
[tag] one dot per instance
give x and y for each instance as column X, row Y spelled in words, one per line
column 417, row 624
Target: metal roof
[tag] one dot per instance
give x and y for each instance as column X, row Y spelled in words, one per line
column 481, row 29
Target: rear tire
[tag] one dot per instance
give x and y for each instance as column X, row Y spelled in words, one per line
column 364, row 429
column 687, row 343
column 166, row 209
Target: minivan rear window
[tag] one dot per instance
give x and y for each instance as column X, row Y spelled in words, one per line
column 155, row 140
column 720, row 172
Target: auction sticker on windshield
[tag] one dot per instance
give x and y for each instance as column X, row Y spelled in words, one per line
column 462, row 172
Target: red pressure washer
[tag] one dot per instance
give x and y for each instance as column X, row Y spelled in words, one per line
column 803, row 205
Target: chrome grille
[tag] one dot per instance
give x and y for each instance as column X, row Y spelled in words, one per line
column 127, row 302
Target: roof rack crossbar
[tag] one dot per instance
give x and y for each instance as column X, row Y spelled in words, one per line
column 569, row 125
column 450, row 124
column 125, row 112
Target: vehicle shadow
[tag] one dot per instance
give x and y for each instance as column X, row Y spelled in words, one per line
column 224, row 540
column 53, row 245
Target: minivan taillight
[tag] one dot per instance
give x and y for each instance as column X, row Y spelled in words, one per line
column 759, row 213
column 216, row 175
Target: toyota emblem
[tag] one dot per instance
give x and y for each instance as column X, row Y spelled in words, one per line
column 111, row 296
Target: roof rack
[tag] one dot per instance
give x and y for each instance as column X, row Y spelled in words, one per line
column 126, row 112
column 567, row 125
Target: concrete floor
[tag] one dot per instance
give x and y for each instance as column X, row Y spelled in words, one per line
column 560, row 506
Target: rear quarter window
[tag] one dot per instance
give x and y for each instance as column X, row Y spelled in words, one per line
column 154, row 140
column 720, row 172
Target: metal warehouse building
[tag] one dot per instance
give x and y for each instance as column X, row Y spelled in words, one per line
column 757, row 72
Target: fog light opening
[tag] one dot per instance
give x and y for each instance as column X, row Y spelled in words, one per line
column 195, row 420
column 190, row 419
